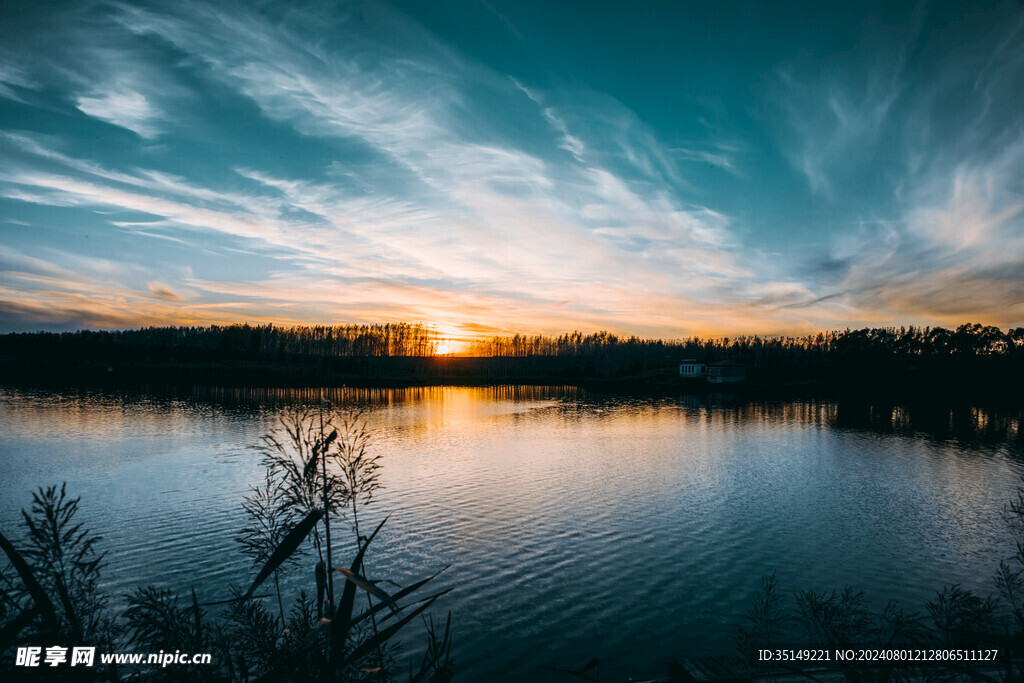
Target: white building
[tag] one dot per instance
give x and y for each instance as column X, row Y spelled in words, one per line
column 691, row 369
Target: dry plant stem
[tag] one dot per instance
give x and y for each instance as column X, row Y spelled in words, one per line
column 294, row 458
column 361, row 481
column 327, row 515
column 280, row 603
column 362, row 570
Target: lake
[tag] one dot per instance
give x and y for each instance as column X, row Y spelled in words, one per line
column 577, row 525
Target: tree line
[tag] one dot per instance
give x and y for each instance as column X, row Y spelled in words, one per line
column 395, row 351
column 970, row 339
column 884, row 349
column 229, row 342
column 416, row 339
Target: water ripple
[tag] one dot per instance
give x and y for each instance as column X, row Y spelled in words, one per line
column 634, row 530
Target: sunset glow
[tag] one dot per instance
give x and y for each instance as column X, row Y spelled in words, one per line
column 492, row 168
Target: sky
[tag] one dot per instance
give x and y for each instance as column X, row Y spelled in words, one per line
column 665, row 169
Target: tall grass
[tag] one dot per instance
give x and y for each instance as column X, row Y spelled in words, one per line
column 269, row 522
column 314, row 471
column 56, row 596
column 956, row 619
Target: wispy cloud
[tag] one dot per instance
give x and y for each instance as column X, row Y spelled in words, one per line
column 122, row 107
column 941, row 236
column 13, row 78
column 557, row 241
column 316, row 165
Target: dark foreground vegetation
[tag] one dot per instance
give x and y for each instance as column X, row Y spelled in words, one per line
column 970, row 358
column 956, row 621
column 319, row 477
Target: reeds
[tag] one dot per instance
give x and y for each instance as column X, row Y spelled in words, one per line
column 841, row 621
column 300, row 483
column 269, row 522
column 49, row 592
column 56, row 598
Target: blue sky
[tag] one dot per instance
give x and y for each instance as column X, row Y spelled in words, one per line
column 489, row 166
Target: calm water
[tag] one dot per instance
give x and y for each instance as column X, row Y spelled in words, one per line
column 634, row 530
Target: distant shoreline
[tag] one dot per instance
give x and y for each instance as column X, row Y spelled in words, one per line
column 484, row 372
column 972, row 362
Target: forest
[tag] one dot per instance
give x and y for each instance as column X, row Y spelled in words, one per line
column 971, row 355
